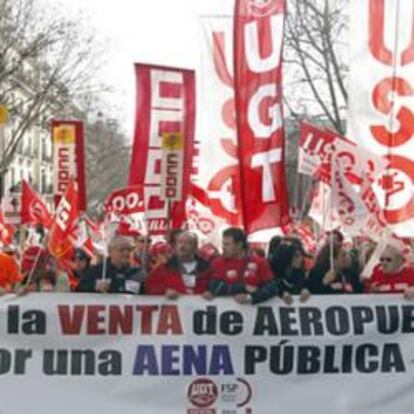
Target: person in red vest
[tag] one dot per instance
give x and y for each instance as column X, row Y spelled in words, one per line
column 185, row 273
column 236, row 273
column 392, row 276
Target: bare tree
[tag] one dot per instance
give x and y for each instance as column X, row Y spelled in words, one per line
column 107, row 159
column 315, row 78
column 48, row 58
column 315, row 60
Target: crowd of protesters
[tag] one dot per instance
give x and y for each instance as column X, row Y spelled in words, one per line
column 180, row 266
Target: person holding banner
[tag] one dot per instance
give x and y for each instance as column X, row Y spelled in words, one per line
column 288, row 263
column 392, row 276
column 114, row 274
column 248, row 278
column 339, row 276
column 185, row 273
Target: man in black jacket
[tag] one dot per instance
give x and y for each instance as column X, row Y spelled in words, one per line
column 115, row 274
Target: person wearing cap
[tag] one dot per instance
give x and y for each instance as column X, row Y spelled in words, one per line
column 115, row 274
column 392, row 275
column 236, row 273
column 184, row 273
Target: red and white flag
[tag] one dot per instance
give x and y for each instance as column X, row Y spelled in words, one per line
column 84, row 237
column 375, row 223
column 314, row 147
column 69, row 159
column 217, row 163
column 321, row 210
column 381, row 104
column 165, row 105
column 258, row 40
column 6, row 231
column 34, row 209
column 348, row 203
column 63, row 230
column 200, row 218
column 125, row 201
column 357, row 162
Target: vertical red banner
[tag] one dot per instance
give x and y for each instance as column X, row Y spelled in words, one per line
column 165, row 105
column 258, row 41
column 69, row 159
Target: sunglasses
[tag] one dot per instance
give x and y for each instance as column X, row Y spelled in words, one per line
column 385, row 259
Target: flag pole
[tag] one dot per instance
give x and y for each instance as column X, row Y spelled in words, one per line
column 105, row 249
column 331, row 241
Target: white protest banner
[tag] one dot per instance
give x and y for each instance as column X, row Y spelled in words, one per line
column 79, row 353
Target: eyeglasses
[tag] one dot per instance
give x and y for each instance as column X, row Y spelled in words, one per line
column 385, row 259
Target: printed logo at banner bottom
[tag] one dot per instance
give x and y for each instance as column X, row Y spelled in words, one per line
column 202, row 393
column 238, row 392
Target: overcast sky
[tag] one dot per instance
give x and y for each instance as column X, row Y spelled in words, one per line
column 150, row 31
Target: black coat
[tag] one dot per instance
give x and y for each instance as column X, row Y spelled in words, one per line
column 127, row 279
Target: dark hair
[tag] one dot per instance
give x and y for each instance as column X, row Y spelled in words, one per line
column 323, row 258
column 274, row 244
column 82, row 255
column 281, row 259
column 336, row 233
column 238, row 236
column 296, row 241
column 172, row 236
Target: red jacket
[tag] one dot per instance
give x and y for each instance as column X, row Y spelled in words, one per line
column 250, row 270
column 390, row 283
column 172, row 275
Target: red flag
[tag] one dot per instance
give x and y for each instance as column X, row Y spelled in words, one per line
column 314, row 147
column 6, row 231
column 199, row 194
column 62, row 235
column 125, row 201
column 258, row 39
column 34, row 210
column 165, row 106
column 83, row 237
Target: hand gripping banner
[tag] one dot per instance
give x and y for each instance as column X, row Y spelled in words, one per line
column 258, row 40
column 165, row 105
